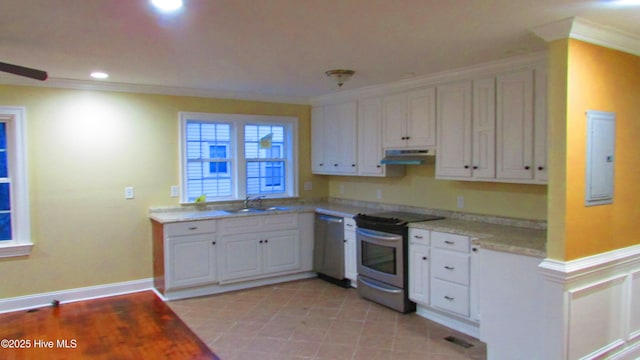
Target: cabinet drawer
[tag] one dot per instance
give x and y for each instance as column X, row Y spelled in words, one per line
column 450, row 241
column 190, row 228
column 349, row 224
column 419, row 236
column 450, row 266
column 450, row 296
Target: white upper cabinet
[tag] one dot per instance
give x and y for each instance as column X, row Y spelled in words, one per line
column 453, row 158
column 493, row 129
column 514, row 135
column 370, row 150
column 483, row 165
column 333, row 142
column 409, row 119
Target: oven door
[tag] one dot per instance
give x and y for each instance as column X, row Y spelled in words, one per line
column 380, row 256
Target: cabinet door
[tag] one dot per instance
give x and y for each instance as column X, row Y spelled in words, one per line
column 350, row 257
column 394, row 117
column 454, row 130
column 317, row 140
column 240, row 256
column 421, row 118
column 281, row 251
column 484, row 129
column 370, row 150
column 419, row 273
column 340, row 138
column 515, row 125
column 190, row 260
column 540, row 125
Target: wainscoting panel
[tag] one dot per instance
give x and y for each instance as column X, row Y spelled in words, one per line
column 598, row 308
column 634, row 307
column 592, row 306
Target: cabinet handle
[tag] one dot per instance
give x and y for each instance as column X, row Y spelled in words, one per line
column 349, row 225
column 449, row 267
column 418, row 236
column 378, row 166
column 321, row 164
column 466, row 166
column 266, row 241
column 449, row 298
column 540, row 168
column 424, row 258
column 408, row 137
column 474, row 249
column 404, row 138
column 193, row 228
column 260, row 241
column 353, row 165
column 335, row 164
column 449, row 242
column 475, row 167
column 527, row 167
column 213, row 243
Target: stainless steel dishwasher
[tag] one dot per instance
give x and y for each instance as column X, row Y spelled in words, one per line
column 328, row 249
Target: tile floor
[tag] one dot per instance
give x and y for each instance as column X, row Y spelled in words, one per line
column 312, row 319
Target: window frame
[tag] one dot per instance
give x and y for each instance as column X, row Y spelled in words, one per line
column 21, row 243
column 236, row 152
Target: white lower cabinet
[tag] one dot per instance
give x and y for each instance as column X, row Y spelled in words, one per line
column 350, row 255
column 419, row 267
column 442, row 280
column 190, row 260
column 247, row 251
column 189, row 254
column 201, row 257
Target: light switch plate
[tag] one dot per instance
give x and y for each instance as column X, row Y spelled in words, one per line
column 129, row 192
column 175, row 191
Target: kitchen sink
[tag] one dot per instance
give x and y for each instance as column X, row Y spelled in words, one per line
column 277, row 208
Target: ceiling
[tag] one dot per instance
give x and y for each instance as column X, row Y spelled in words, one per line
column 278, row 48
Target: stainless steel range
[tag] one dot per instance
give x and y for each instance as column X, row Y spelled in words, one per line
column 382, row 245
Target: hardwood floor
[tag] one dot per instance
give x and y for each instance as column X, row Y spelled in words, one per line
column 132, row 326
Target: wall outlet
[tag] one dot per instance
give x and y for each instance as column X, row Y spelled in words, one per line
column 175, row 191
column 341, row 189
column 308, row 186
column 460, row 202
column 379, row 194
column 129, row 192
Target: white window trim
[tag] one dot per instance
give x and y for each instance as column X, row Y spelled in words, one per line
column 21, row 245
column 237, row 152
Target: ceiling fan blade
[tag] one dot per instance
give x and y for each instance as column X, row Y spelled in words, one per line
column 23, row 71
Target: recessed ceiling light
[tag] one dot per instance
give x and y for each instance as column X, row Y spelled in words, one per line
column 99, row 75
column 623, row 3
column 167, row 5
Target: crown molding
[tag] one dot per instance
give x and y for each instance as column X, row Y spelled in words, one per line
column 588, row 31
column 149, row 89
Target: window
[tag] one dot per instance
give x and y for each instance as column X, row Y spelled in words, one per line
column 230, row 157
column 14, row 200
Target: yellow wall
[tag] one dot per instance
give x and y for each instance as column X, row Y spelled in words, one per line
column 606, row 80
column 84, row 147
column 420, row 188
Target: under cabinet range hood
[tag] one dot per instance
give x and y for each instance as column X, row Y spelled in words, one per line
column 406, row 157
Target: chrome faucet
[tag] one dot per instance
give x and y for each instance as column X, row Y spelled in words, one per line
column 248, row 200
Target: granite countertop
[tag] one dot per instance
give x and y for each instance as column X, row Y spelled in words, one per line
column 172, row 215
column 489, row 235
column 511, row 239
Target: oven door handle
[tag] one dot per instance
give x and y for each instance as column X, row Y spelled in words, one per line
column 379, row 235
column 378, row 287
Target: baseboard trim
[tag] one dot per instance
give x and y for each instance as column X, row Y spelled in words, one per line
column 72, row 295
